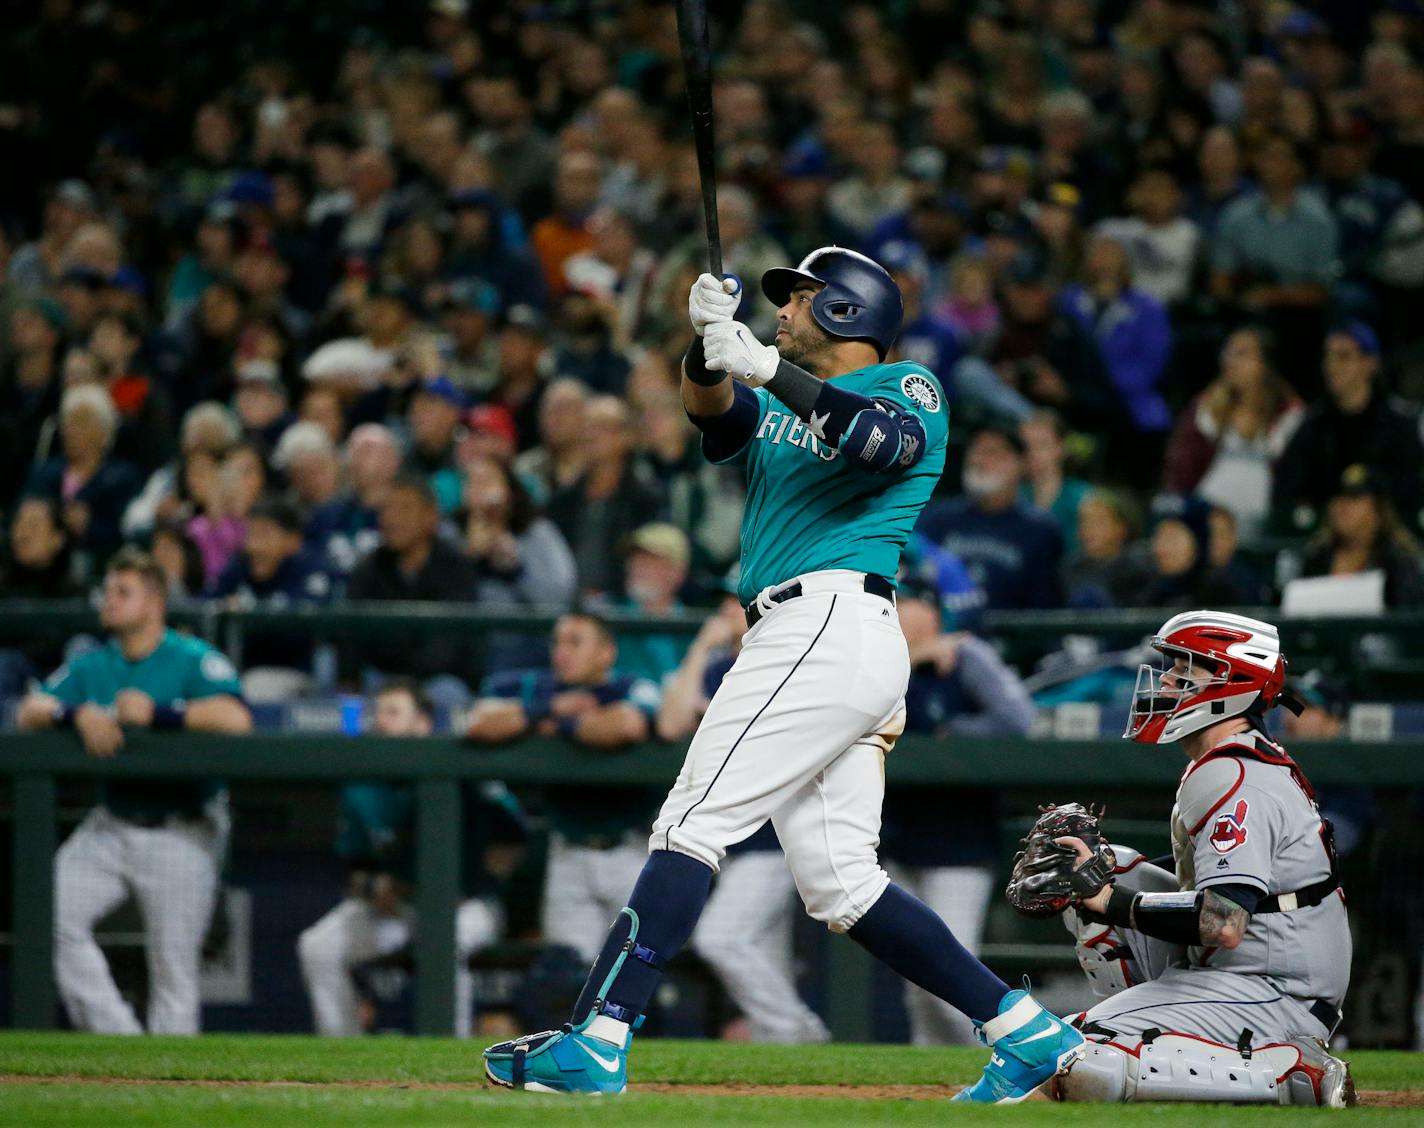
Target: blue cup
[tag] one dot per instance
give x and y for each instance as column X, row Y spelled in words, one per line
column 352, row 709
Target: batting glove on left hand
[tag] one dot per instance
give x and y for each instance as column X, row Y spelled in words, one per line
column 728, row 346
column 712, row 299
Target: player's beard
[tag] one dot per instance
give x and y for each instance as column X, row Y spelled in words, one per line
column 807, row 347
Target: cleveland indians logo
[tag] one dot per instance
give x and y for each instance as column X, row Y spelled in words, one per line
column 1229, row 831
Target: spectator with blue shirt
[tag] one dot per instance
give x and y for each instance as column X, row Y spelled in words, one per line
column 1011, row 550
column 345, row 529
column 159, row 842
column 375, row 837
column 598, row 834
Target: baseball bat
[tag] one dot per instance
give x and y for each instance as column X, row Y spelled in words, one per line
column 697, row 69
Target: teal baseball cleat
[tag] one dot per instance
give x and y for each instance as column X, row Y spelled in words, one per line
column 560, row 1061
column 1030, row 1047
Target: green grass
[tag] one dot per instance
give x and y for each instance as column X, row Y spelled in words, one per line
column 255, row 1058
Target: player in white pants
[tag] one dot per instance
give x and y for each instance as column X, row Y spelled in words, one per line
column 1225, row 979
column 581, row 882
column 159, row 842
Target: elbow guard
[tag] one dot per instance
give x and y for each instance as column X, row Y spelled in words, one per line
column 874, row 434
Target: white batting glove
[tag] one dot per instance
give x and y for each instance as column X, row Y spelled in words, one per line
column 712, row 299
column 728, row 346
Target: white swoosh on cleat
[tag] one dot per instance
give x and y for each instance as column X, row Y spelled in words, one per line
column 1049, row 1033
column 610, row 1064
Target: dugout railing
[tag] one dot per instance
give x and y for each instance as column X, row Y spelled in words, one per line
column 32, row 765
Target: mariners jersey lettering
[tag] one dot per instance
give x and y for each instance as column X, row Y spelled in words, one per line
column 1239, row 821
column 807, row 510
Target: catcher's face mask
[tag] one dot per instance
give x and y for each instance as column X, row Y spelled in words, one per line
column 1172, row 700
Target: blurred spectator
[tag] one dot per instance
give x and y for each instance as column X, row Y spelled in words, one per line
column 1228, row 439
column 433, row 421
column 220, row 525
column 358, row 364
column 598, row 834
column 525, row 363
column 145, row 436
column 413, row 563
column 703, row 500
column 1130, row 327
column 558, row 460
column 468, row 317
column 261, row 401
column 1162, row 244
column 211, row 260
column 520, row 154
column 307, row 458
column 615, row 274
column 200, row 364
column 1011, row 550
column 30, row 387
column 36, row 564
column 520, row 556
column 1234, row 574
column 37, row 265
column 1221, row 178
column 958, row 686
column 970, row 308
column 375, row 833
column 481, row 251
column 599, row 509
column 587, row 349
column 1355, row 422
column 1107, row 570
column 745, row 932
column 925, row 337
column 1047, row 485
column 1057, row 223
column 1362, row 533
column 655, row 571
column 159, row 842
column 92, row 486
column 323, row 406
column 346, row 528
column 360, row 223
column 208, row 429
column 1182, row 572
column 176, row 553
column 274, row 570
column 876, row 188
column 564, row 232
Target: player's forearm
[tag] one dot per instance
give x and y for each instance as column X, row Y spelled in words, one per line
column 223, row 714
column 1194, row 918
column 704, row 393
column 679, row 712
column 611, row 726
column 39, row 711
column 494, row 721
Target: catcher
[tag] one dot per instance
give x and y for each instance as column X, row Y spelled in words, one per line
column 1223, row 982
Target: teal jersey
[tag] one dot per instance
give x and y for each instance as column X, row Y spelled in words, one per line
column 179, row 669
column 809, row 510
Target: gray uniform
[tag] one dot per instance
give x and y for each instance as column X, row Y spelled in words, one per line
column 1243, row 816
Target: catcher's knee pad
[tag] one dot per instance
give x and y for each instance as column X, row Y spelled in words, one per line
column 1183, row 1067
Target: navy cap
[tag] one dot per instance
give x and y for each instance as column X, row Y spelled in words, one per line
column 442, row 388
column 1361, row 334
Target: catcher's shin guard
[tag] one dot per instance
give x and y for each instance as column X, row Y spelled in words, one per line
column 1182, row 1067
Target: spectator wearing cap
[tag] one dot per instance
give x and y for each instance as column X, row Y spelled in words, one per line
column 564, row 232
column 145, row 435
column 526, row 363
column 413, row 562
column 346, row 528
column 261, row 401
column 1109, row 569
column 587, row 342
column 1012, row 551
column 468, row 317
column 1130, row 328
column 558, row 459
column 307, row 458
column 925, row 337
column 1355, row 422
column 1057, row 223
column 489, row 433
column 361, row 365
column 1180, row 556
column 802, row 218
column 213, row 257
column 91, row 484
column 1362, row 533
column 30, row 388
column 1229, row 438
column 432, row 422
column 483, row 247
column 1162, row 244
column 274, row 569
column 601, row 508
column 37, row 265
column 655, row 571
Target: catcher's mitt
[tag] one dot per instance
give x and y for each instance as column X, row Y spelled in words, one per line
column 1046, row 878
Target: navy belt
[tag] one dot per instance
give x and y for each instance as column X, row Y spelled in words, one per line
column 875, row 585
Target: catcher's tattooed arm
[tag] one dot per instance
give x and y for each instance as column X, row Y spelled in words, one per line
column 1223, row 922
column 1194, row 917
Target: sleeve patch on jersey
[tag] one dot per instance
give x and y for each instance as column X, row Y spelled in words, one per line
column 1229, row 830
column 921, row 391
column 217, row 667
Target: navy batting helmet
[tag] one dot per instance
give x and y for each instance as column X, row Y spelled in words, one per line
column 859, row 300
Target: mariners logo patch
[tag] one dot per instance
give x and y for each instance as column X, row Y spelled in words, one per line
column 921, row 391
column 1229, row 831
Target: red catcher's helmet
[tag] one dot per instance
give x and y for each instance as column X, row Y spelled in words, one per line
column 1232, row 664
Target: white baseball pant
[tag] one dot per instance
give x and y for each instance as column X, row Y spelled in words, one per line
column 744, row 936
column 797, row 733
column 959, row 895
column 353, row 932
column 585, row 888
column 171, row 871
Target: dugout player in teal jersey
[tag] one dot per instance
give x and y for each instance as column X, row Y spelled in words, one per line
column 841, row 452
column 159, row 842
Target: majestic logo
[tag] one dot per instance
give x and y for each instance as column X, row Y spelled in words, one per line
column 921, row 391
column 1229, row 831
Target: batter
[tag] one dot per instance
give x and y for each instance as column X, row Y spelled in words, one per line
column 841, row 453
